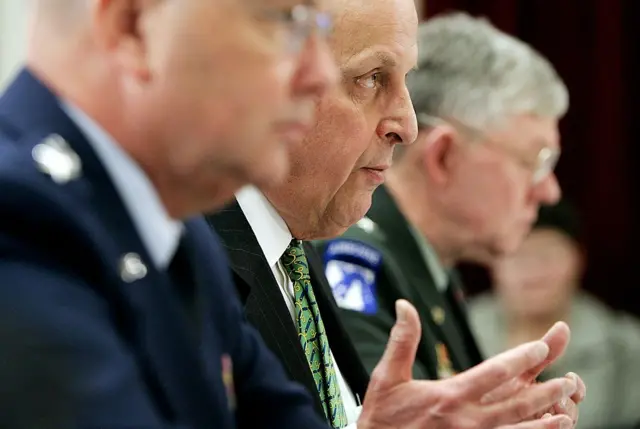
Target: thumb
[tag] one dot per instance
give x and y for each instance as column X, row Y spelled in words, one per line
column 396, row 364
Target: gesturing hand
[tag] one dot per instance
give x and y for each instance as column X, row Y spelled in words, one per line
column 395, row 400
column 557, row 338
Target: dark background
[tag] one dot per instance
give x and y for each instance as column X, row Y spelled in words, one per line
column 594, row 45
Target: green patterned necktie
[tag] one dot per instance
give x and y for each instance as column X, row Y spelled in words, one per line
column 312, row 334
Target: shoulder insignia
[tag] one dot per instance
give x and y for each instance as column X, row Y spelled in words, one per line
column 351, row 268
column 57, row 159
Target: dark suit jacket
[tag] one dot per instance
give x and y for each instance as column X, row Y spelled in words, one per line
column 266, row 310
column 135, row 361
column 403, row 274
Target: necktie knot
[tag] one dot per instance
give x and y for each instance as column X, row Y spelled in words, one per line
column 295, row 262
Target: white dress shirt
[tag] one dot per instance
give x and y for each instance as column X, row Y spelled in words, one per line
column 160, row 233
column 274, row 237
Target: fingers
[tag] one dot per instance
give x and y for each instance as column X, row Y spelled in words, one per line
column 581, row 393
column 529, row 402
column 547, row 422
column 507, row 389
column 567, row 407
column 557, row 338
column 492, row 373
column 397, row 362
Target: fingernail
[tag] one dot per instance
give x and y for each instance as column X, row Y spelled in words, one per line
column 547, row 416
column 540, row 350
column 401, row 314
column 573, row 376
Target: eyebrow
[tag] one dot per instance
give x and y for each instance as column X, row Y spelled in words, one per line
column 383, row 57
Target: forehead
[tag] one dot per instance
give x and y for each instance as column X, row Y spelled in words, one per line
column 380, row 29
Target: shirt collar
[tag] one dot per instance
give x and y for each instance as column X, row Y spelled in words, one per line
column 160, row 233
column 270, row 229
column 439, row 273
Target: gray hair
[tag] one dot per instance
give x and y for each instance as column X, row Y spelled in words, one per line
column 471, row 71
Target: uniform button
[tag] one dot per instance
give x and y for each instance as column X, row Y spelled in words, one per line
column 438, row 315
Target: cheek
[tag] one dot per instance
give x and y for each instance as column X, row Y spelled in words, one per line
column 337, row 142
column 482, row 197
column 502, row 198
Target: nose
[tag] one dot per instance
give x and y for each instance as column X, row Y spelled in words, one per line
column 400, row 126
column 548, row 191
column 317, row 71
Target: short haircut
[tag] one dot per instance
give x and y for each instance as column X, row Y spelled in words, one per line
column 470, row 71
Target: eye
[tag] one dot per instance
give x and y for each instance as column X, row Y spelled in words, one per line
column 371, row 81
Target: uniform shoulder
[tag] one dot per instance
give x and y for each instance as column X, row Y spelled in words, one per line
column 352, row 263
column 38, row 210
column 366, row 230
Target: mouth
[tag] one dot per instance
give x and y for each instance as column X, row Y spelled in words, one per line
column 376, row 173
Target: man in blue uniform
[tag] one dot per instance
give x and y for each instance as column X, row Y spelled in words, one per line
column 132, row 117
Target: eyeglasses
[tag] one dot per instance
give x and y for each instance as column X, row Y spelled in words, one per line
column 541, row 166
column 301, row 21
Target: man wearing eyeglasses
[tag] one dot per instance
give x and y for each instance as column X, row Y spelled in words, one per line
column 130, row 119
column 487, row 108
column 280, row 278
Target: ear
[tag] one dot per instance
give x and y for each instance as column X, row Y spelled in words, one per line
column 117, row 30
column 438, row 152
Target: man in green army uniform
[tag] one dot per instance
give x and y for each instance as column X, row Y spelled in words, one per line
column 469, row 189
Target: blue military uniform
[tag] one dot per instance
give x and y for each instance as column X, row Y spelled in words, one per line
column 78, row 274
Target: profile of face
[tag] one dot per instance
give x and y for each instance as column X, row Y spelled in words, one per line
column 490, row 186
column 540, row 278
column 227, row 85
column 344, row 158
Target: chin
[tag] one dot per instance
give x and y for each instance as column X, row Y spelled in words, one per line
column 337, row 222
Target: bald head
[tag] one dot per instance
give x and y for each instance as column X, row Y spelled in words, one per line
column 346, row 154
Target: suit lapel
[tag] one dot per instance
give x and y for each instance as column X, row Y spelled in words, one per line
column 167, row 360
column 264, row 304
column 341, row 345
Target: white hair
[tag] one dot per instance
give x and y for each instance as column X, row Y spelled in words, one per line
column 470, row 71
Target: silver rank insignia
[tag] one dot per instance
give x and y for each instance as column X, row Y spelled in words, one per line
column 55, row 158
column 132, row 268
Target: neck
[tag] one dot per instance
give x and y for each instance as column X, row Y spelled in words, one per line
column 411, row 194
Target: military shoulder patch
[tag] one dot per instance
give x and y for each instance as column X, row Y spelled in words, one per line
column 351, row 267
